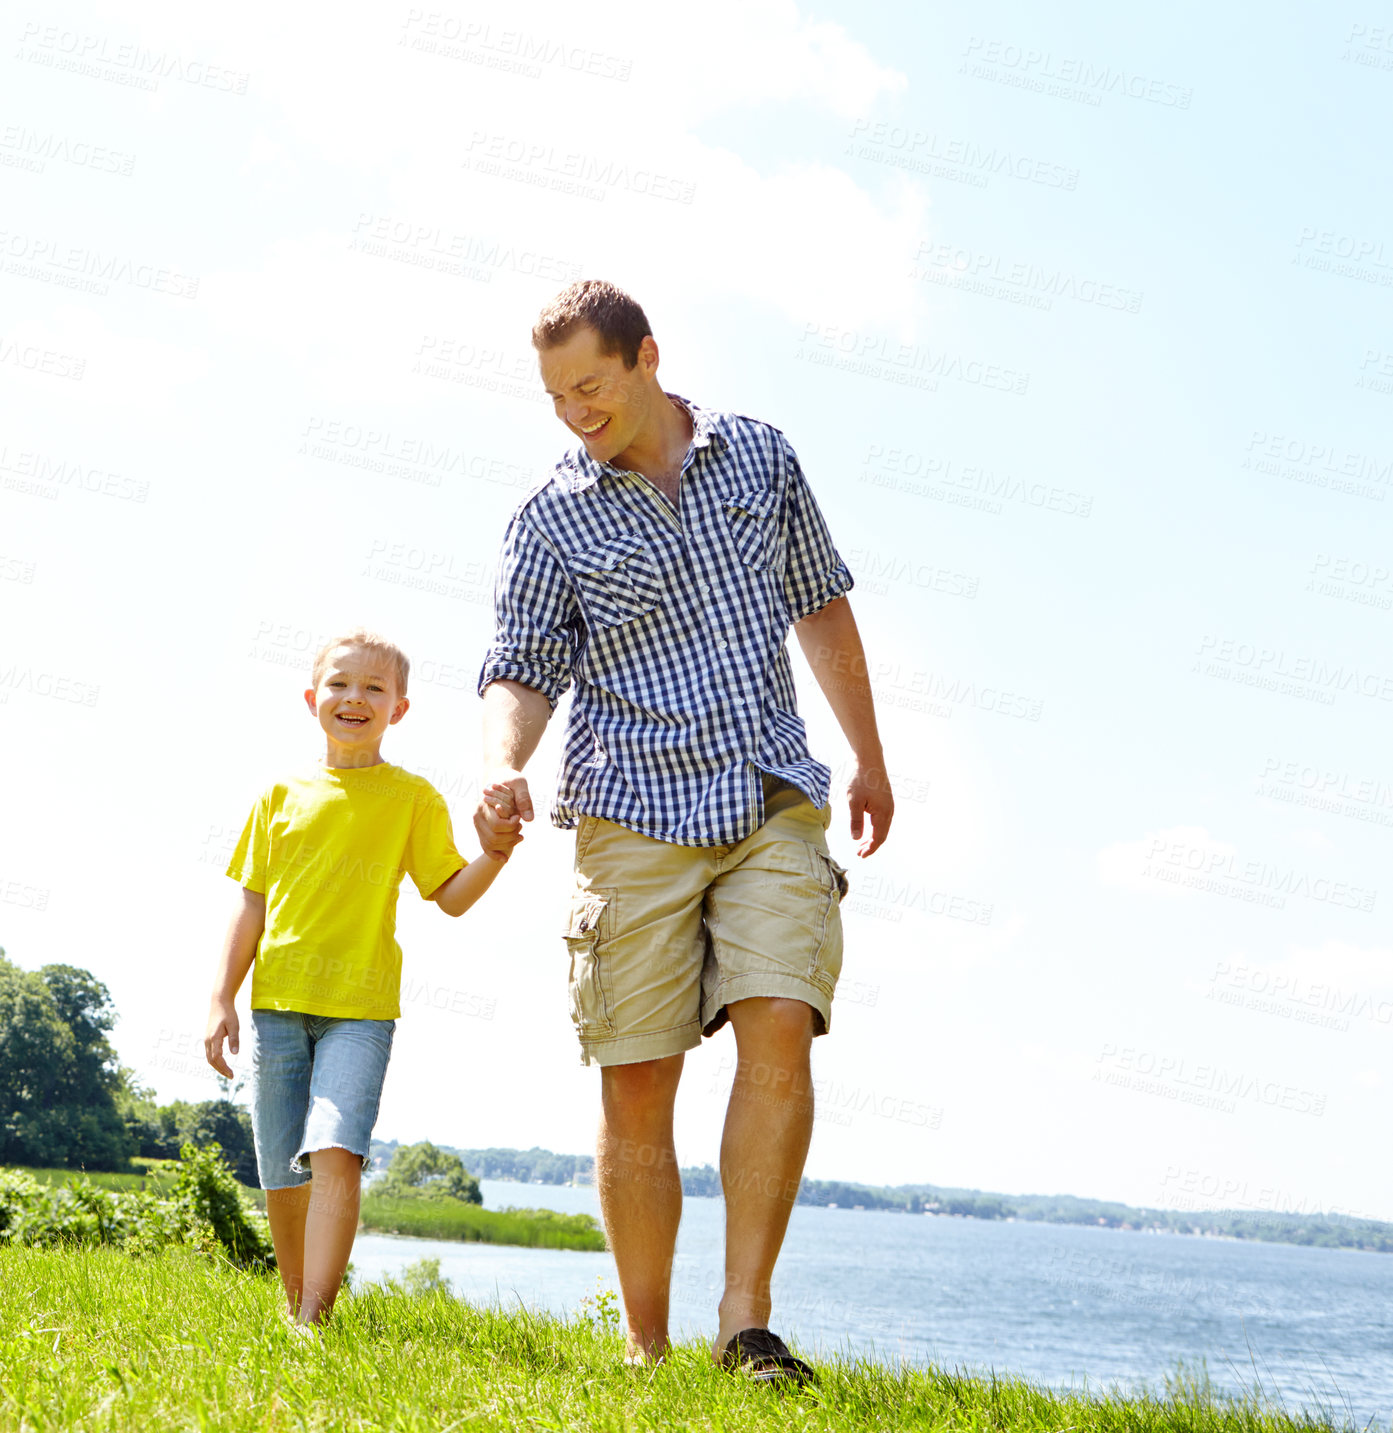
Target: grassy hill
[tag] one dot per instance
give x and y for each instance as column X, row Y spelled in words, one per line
column 96, row 1339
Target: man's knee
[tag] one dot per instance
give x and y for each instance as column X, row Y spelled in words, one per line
column 772, row 1024
column 646, row 1087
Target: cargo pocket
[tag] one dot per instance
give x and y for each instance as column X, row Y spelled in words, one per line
column 586, row 926
column 617, row 579
column 826, row 963
column 753, row 525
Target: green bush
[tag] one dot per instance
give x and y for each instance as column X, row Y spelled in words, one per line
column 205, row 1210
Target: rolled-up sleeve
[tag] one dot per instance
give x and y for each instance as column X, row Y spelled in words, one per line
column 534, row 616
column 814, row 573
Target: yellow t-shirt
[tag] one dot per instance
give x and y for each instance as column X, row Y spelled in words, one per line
column 328, row 849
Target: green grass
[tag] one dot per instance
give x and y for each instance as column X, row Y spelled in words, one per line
column 96, row 1340
column 449, row 1219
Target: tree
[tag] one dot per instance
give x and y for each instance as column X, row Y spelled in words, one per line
column 424, row 1169
column 36, row 1051
column 90, row 1080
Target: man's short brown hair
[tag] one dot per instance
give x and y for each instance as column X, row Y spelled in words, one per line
column 592, row 303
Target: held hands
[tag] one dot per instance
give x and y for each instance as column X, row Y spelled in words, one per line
column 505, row 805
column 222, row 1024
column 869, row 795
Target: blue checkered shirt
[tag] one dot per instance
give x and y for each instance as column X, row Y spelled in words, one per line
column 672, row 623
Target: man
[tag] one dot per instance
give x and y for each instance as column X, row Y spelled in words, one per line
column 660, row 568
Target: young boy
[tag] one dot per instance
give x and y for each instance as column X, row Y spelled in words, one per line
column 320, row 862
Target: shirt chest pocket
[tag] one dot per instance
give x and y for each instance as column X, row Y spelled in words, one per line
column 617, row 579
column 752, row 518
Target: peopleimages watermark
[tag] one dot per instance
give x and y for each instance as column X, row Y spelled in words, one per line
column 1376, row 371
column 1273, row 669
column 924, row 690
column 17, row 569
column 1346, row 256
column 102, row 58
column 1369, row 45
column 879, row 572
column 457, row 255
column 495, row 370
column 478, row 42
column 574, row 173
column 1293, row 997
column 1218, row 871
column 968, row 270
column 1326, row 788
column 1191, row 1188
column 968, row 485
column 1063, row 77
column 959, row 160
column 284, row 644
column 26, row 470
column 913, row 365
column 54, row 686
column 1351, row 579
column 1206, row 1086
column 23, row 895
column 30, row 149
column 1322, row 465
column 411, row 458
column 73, row 266
column 34, row 358
column 832, row 1100
column 885, row 897
column 430, row 570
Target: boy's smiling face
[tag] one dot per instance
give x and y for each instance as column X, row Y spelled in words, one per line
column 356, row 701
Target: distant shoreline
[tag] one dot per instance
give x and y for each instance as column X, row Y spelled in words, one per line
column 1311, row 1228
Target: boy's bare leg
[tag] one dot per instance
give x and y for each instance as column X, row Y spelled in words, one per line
column 285, row 1209
column 641, row 1191
column 331, row 1223
column 769, row 1125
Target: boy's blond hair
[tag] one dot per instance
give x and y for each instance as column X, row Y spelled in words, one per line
column 361, row 637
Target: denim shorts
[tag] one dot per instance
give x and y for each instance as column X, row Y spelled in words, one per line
column 316, row 1084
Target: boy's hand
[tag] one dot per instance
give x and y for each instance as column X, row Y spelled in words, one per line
column 505, row 805
column 222, row 1024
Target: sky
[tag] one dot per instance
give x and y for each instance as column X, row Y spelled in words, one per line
column 1082, row 328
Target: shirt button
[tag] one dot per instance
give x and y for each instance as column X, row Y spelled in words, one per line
column 722, row 644
column 737, row 701
column 705, row 586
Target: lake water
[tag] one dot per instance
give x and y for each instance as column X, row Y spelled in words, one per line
column 1064, row 1306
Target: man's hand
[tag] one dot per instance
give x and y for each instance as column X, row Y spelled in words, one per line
column 222, row 1024
column 868, row 794
column 504, row 806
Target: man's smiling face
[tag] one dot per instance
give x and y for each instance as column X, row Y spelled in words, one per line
column 356, row 699
column 603, row 403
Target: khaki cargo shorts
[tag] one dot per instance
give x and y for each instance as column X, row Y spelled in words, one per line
column 663, row 937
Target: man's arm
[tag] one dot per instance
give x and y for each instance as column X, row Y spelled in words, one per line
column 239, row 950
column 832, row 645
column 515, row 716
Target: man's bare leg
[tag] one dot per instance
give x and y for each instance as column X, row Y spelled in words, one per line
column 285, row 1209
column 641, row 1191
column 769, row 1125
column 331, row 1222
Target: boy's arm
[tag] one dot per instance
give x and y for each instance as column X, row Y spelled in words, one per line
column 467, row 885
column 238, row 952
